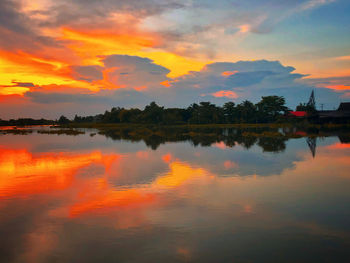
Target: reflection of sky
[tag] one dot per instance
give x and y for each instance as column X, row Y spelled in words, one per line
column 87, row 199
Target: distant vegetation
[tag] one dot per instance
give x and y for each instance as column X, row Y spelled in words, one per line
column 269, row 109
column 26, row 122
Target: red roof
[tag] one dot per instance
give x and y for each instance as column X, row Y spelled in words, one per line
column 298, row 113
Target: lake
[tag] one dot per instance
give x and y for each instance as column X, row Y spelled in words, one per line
column 94, row 197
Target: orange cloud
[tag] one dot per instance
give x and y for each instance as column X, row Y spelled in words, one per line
column 24, row 67
column 13, row 98
column 244, row 28
column 338, row 87
column 229, row 73
column 92, row 44
column 141, row 88
column 166, row 83
column 344, row 58
column 225, row 93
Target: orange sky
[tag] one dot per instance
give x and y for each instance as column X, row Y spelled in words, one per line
column 47, row 43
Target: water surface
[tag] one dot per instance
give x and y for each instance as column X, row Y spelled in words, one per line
column 89, row 198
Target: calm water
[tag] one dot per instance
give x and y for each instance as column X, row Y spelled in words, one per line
column 93, row 199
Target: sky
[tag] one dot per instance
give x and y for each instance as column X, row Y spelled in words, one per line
column 84, row 57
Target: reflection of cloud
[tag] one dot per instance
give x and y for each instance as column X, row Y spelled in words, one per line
column 25, row 174
column 229, row 165
column 111, row 199
column 238, row 210
column 167, row 157
column 108, row 198
column 179, row 173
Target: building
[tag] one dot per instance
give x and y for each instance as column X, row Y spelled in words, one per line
column 341, row 115
column 297, row 114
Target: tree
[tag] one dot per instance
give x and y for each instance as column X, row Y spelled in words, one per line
column 63, row 120
column 205, row 113
column 270, row 108
column 152, row 113
column 230, row 112
column 246, row 112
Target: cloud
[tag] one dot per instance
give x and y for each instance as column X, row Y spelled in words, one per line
column 225, row 94
column 20, row 31
column 16, row 88
column 342, row 58
column 134, row 72
column 314, row 3
column 251, row 80
column 334, row 83
column 87, row 73
column 19, row 84
column 172, row 20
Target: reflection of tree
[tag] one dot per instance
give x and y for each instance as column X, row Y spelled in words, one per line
column 249, row 141
column 272, row 144
column 311, row 141
column 268, row 139
column 344, row 138
column 154, row 141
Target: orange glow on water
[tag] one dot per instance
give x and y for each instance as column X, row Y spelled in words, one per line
column 94, row 199
column 167, row 157
column 220, row 145
column 339, row 146
column 112, row 199
column 179, row 173
column 22, row 173
column 230, row 165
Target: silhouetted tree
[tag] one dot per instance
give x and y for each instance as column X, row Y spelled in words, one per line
column 246, row 112
column 230, row 112
column 270, row 108
column 63, row 120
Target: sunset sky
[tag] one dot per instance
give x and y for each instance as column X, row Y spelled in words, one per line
column 85, row 56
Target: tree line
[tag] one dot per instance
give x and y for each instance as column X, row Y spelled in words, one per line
column 269, row 109
column 26, row 121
